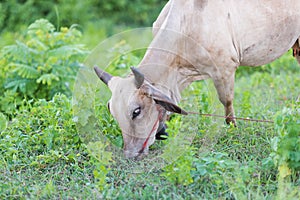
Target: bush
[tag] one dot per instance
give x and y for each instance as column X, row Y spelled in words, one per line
column 286, row 145
column 14, row 14
column 43, row 64
column 179, row 172
column 138, row 12
column 41, row 133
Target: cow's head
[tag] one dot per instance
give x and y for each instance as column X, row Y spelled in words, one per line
column 139, row 108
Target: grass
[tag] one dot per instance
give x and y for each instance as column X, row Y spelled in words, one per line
column 60, row 181
column 222, row 162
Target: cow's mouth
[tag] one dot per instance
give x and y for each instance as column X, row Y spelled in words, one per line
column 161, row 133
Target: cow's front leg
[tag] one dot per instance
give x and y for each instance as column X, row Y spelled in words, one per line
column 225, row 89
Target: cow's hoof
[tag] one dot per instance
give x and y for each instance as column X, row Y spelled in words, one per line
column 230, row 120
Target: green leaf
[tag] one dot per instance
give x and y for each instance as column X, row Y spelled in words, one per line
column 98, row 151
column 23, row 49
column 47, row 79
column 3, row 122
column 38, row 44
column 15, row 84
column 284, row 170
column 5, row 51
column 68, row 50
column 41, row 24
column 26, row 86
column 25, row 71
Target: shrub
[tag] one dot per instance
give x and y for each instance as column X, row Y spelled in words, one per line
column 286, row 146
column 179, row 172
column 43, row 64
column 41, row 133
column 14, row 14
column 137, row 12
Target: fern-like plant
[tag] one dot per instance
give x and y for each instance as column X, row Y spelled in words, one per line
column 42, row 64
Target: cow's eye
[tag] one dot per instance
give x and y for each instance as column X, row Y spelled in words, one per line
column 136, row 112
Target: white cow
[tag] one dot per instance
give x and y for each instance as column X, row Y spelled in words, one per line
column 196, row 40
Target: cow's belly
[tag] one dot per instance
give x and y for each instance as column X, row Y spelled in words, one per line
column 263, row 52
column 264, row 46
column 267, row 37
column 252, row 35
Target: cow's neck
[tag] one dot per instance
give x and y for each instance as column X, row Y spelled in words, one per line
column 165, row 63
column 165, row 72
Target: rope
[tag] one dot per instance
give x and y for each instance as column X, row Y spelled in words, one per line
column 238, row 118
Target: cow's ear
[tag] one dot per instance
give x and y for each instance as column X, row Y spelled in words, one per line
column 170, row 106
column 162, row 99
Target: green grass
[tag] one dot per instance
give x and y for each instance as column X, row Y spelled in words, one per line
column 41, row 156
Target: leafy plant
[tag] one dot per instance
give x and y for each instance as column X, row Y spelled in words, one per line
column 101, row 159
column 44, row 64
column 286, row 146
column 109, row 126
column 141, row 12
column 9, row 101
column 13, row 13
column 212, row 167
column 3, row 122
column 41, row 133
column 179, row 172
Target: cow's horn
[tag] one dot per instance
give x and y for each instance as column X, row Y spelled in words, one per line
column 139, row 77
column 104, row 76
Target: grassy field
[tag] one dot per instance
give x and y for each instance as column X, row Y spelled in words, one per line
column 44, row 157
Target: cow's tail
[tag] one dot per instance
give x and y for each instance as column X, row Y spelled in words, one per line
column 296, row 50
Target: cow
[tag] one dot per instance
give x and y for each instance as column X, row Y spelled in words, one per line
column 196, row 40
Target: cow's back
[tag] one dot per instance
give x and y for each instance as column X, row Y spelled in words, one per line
column 234, row 32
